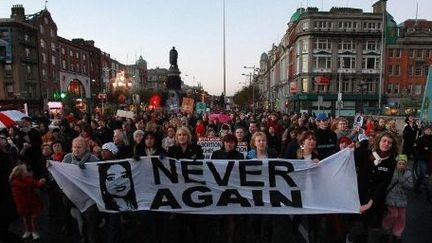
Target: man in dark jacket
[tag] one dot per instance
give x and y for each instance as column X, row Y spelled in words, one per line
column 423, row 153
column 326, row 138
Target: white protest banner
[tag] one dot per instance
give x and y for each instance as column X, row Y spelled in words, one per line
column 270, row 186
column 209, row 145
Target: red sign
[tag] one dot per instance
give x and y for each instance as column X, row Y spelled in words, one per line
column 293, row 87
column 322, row 80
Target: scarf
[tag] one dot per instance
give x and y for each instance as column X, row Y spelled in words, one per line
column 378, row 159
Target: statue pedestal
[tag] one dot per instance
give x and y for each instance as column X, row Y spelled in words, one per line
column 174, row 93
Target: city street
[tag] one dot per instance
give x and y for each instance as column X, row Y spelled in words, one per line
column 418, row 229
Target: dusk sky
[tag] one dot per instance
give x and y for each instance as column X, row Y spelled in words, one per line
column 128, row 29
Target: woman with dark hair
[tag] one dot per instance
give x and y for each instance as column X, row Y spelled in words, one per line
column 151, row 145
column 409, row 135
column 228, row 150
column 375, row 171
column 117, row 186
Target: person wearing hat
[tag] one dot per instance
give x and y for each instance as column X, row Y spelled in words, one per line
column 109, row 151
column 397, row 198
column 326, row 139
column 422, row 155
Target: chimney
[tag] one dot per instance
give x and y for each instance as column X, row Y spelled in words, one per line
column 380, row 6
column 18, row 12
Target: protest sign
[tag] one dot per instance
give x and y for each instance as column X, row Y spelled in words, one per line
column 209, row 145
column 268, row 186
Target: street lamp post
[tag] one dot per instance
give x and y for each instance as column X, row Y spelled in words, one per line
column 251, row 82
column 253, row 90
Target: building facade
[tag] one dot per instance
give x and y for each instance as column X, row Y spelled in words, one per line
column 156, row 79
column 407, row 63
column 326, row 53
column 19, row 63
column 47, row 53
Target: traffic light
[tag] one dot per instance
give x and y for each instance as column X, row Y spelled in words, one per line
column 58, row 95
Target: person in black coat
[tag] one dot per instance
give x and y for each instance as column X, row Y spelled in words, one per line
column 375, row 171
column 8, row 211
column 150, row 146
column 409, row 136
column 185, row 149
column 228, row 151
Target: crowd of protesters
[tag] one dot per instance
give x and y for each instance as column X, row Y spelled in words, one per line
column 383, row 176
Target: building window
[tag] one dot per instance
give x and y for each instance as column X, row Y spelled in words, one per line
column 305, row 85
column 72, row 67
column 54, row 75
column 10, row 90
column 410, row 70
column 394, row 52
column 409, row 88
column 26, row 37
column 371, row 45
column 389, row 88
column 44, row 74
column 418, row 69
column 8, row 68
column 84, row 68
column 346, row 85
column 29, row 70
column 321, row 44
column 53, row 60
column 63, row 64
column 63, row 50
column 322, row 62
column 71, row 53
column 42, row 43
column 394, row 70
column 44, row 58
column 419, row 53
column 53, row 46
column 322, row 24
column 345, row 25
column 347, row 62
column 27, row 52
column 77, row 67
column 304, row 47
column 347, row 45
column 52, row 33
column 305, row 25
column 396, row 88
column 41, row 29
column 84, row 57
column 371, row 62
column 77, row 55
column 418, row 89
column 411, row 53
